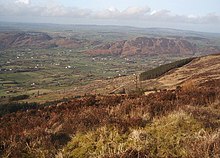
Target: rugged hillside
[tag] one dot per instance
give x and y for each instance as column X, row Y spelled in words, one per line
column 12, row 40
column 153, row 46
column 200, row 70
column 183, row 122
column 196, row 72
column 38, row 40
column 136, row 46
column 147, row 46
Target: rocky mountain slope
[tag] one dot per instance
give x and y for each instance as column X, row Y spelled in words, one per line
column 12, row 40
column 38, row 40
column 136, row 46
column 147, row 46
column 151, row 46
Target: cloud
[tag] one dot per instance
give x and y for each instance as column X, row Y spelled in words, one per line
column 136, row 11
column 23, row 2
column 141, row 14
column 114, row 13
column 160, row 13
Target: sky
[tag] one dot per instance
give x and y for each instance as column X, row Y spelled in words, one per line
column 197, row 15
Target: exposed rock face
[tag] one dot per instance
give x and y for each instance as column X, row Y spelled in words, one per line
column 146, row 46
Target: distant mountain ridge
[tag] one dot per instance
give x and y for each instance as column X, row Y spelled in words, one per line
column 10, row 40
column 140, row 45
column 146, row 46
column 37, row 40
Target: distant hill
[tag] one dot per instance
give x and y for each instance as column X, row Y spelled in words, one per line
column 147, row 46
column 109, row 40
column 21, row 39
column 38, row 40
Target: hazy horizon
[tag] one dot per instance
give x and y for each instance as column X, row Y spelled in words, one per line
column 197, row 15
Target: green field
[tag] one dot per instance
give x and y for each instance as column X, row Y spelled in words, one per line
column 32, row 70
column 25, row 70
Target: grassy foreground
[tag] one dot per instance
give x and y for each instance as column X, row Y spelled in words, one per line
column 175, row 123
column 168, row 136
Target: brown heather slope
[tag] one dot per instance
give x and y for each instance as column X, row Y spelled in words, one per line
column 198, row 71
column 190, row 117
column 151, row 46
column 138, row 46
column 15, row 40
column 146, row 46
column 38, row 40
column 201, row 69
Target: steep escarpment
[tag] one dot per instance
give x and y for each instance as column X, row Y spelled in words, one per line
column 143, row 45
column 38, row 40
column 147, row 46
column 136, row 46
